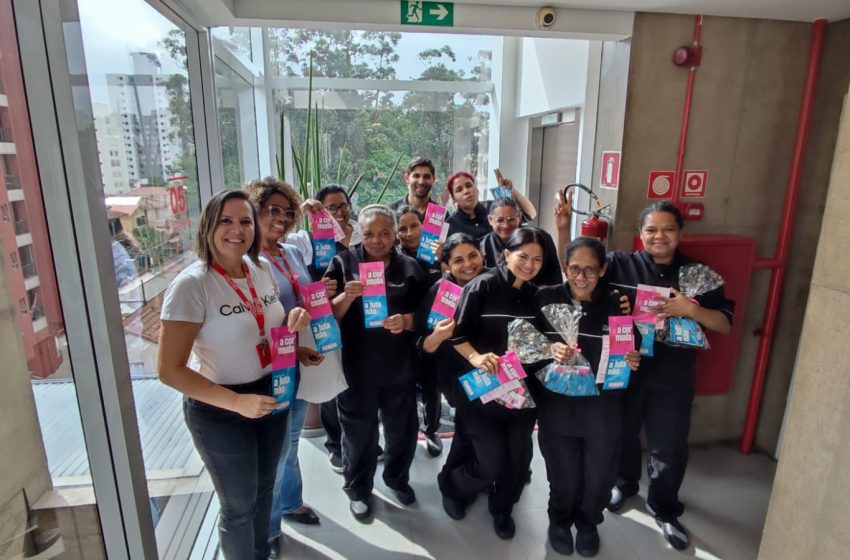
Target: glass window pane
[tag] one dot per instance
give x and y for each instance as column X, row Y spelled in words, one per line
column 237, row 126
column 47, row 503
column 132, row 88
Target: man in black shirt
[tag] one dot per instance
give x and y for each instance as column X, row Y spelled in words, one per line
column 505, row 218
column 420, row 177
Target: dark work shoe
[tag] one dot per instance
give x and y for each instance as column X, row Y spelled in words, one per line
column 306, row 517
column 674, row 533
column 433, row 444
column 561, row 539
column 504, row 526
column 405, row 495
column 618, row 498
column 380, row 453
column 456, row 509
column 360, row 509
column 336, row 463
column 587, row 542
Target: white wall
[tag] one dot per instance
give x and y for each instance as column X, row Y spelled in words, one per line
column 553, row 75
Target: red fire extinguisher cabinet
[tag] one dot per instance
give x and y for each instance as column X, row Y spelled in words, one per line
column 732, row 257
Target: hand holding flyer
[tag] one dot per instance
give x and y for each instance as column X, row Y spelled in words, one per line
column 285, row 372
column 374, row 294
column 432, row 230
column 445, row 303
column 506, row 386
column 322, row 323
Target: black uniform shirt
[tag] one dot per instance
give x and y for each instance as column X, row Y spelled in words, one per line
column 487, row 305
column 492, row 248
column 595, row 416
column 477, row 226
column 375, row 356
column 626, row 270
column 432, row 272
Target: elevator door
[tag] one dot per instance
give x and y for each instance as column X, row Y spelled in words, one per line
column 558, row 160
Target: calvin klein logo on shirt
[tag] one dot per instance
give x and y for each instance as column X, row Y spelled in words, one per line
column 227, row 310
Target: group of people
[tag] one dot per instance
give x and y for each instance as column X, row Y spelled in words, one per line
column 252, row 267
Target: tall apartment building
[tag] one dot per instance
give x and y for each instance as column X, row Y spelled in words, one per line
column 26, row 258
column 134, row 130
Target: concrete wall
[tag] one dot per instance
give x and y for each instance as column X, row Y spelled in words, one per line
column 745, row 106
column 807, row 514
column 24, row 467
column 552, row 75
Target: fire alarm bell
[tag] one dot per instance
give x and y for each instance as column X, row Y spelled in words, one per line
column 693, row 210
column 687, row 56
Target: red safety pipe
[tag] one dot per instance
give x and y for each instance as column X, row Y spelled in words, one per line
column 785, row 230
column 686, row 115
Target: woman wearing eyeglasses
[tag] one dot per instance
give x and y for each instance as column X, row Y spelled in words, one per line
column 501, row 437
column 579, row 437
column 335, row 200
column 278, row 207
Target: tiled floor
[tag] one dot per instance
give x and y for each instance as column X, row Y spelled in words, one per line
column 726, row 495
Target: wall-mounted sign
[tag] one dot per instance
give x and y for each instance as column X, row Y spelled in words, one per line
column 427, row 13
column 695, row 183
column 610, row 170
column 660, row 184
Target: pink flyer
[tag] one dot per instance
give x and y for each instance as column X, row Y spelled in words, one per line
column 445, row 302
column 374, row 294
column 316, row 300
column 322, row 225
column 621, row 334
column 646, row 302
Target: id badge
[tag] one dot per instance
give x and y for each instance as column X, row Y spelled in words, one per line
column 264, row 353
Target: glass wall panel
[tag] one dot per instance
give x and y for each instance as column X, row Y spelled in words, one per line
column 131, row 92
column 237, row 125
column 47, row 505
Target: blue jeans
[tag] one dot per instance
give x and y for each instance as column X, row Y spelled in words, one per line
column 287, row 486
column 240, row 455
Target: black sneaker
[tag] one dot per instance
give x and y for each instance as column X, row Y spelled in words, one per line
column 561, row 539
column 380, row 453
column 456, row 509
column 587, row 542
column 405, row 495
column 274, row 548
column 504, row 526
column 360, row 509
column 433, row 444
column 336, row 463
column 674, row 533
column 618, row 498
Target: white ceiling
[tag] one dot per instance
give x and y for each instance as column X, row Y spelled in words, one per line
column 795, row 10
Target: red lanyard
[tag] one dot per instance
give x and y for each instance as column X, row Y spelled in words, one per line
column 286, row 271
column 254, row 306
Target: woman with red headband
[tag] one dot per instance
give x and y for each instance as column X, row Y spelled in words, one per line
column 470, row 216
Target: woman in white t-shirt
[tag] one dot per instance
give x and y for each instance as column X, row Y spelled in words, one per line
column 221, row 309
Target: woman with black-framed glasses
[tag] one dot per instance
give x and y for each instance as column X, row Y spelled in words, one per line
column 579, row 436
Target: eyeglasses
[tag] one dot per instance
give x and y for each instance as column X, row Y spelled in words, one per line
column 589, row 272
column 278, row 213
column 343, row 206
column 510, row 220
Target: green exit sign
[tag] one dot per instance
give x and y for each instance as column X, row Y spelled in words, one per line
column 427, row 13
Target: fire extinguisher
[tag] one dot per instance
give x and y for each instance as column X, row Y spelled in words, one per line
column 597, row 221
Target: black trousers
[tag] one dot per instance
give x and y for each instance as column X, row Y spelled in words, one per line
column 358, row 408
column 333, row 431
column 500, row 454
column 431, row 401
column 461, row 450
column 660, row 401
column 581, row 472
